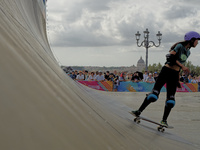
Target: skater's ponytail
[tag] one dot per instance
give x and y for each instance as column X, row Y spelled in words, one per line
column 184, row 43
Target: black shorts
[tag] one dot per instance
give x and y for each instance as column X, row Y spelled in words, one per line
column 171, row 78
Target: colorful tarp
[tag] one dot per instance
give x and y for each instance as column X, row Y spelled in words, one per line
column 137, row 87
column 147, row 87
column 102, row 86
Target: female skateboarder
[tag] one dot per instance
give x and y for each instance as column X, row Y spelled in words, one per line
column 169, row 74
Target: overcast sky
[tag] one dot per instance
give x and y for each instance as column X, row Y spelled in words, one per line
column 102, row 32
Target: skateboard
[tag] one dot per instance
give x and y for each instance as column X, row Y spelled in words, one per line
column 160, row 128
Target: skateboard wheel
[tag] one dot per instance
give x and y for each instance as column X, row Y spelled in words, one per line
column 162, row 130
column 137, row 120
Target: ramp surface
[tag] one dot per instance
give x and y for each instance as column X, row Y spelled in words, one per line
column 43, row 109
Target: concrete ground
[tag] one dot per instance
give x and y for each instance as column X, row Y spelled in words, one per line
column 184, row 117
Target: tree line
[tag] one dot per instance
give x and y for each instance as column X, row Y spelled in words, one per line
column 194, row 70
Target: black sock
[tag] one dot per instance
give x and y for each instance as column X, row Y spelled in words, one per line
column 144, row 104
column 166, row 113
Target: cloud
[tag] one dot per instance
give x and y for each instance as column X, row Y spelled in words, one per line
column 180, row 11
column 96, row 5
column 113, row 23
column 108, row 22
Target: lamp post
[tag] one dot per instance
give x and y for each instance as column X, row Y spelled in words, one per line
column 147, row 44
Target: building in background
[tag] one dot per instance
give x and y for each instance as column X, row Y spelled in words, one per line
column 140, row 65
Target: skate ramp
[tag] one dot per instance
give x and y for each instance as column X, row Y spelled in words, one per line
column 41, row 108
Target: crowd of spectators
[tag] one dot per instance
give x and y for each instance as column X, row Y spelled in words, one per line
column 189, row 78
column 116, row 77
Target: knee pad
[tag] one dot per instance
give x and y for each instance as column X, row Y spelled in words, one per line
column 170, row 103
column 152, row 97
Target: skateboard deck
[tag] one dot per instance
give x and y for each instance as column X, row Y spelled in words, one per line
column 160, row 127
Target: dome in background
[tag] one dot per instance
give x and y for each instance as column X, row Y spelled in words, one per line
column 140, row 64
column 141, row 61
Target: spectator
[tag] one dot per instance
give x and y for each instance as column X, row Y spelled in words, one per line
column 129, row 76
column 194, row 80
column 89, row 73
column 126, row 76
column 91, row 77
column 145, row 75
column 111, row 77
column 115, row 72
column 107, row 76
column 80, row 76
column 116, row 84
column 97, row 73
column 150, row 79
column 100, row 77
column 189, row 78
column 135, row 77
column 72, row 75
column 118, row 74
column 86, row 76
column 122, row 77
column 76, row 73
column 155, row 75
column 184, row 78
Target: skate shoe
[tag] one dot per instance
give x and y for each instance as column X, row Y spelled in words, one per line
column 136, row 113
column 164, row 123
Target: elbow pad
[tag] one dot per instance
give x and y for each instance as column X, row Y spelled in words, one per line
column 171, row 59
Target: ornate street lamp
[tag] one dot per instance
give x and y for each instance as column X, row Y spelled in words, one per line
column 147, row 44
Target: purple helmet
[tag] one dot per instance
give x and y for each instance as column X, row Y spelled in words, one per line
column 190, row 35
